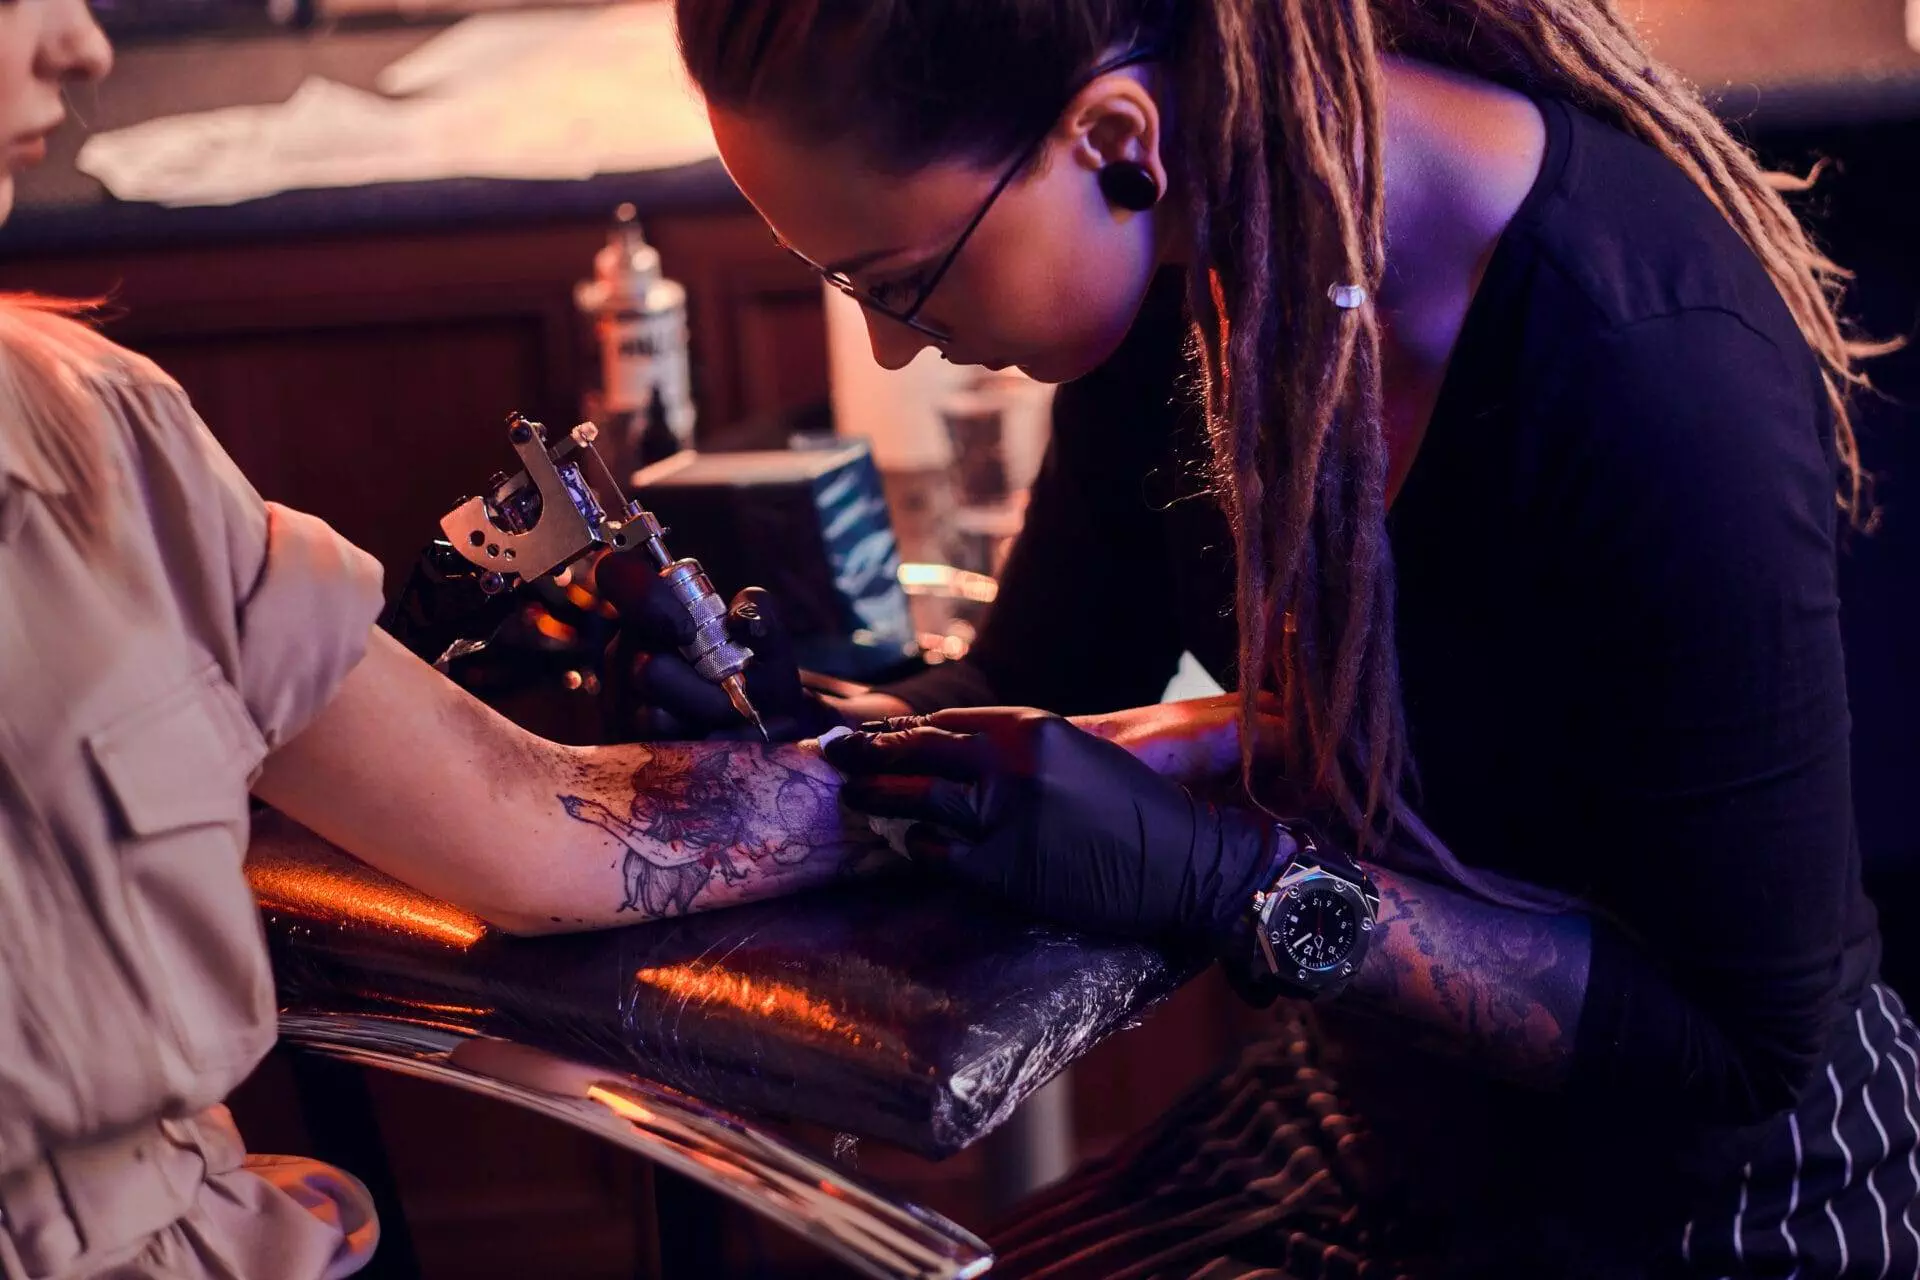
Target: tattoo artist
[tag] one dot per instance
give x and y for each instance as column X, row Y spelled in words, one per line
column 168, row 643
column 1519, row 390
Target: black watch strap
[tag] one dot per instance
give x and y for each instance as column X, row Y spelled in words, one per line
column 1242, row 954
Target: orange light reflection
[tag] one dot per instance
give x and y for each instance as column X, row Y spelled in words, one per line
column 310, row 891
column 625, row 1108
column 759, row 997
column 455, row 1010
column 554, row 629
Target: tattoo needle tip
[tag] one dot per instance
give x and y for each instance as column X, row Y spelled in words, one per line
column 736, row 691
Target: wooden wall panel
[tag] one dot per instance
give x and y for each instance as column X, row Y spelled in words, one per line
column 376, row 428
column 365, row 378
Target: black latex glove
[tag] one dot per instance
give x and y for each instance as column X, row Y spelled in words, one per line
column 653, row 693
column 1024, row 804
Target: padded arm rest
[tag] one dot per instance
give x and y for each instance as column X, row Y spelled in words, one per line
column 892, row 1008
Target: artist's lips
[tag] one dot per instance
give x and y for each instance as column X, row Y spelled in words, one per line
column 29, row 148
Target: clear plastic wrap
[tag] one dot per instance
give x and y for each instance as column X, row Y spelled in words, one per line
column 897, row 1009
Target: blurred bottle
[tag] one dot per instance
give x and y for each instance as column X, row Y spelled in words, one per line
column 997, row 428
column 897, row 412
column 645, row 403
column 957, row 448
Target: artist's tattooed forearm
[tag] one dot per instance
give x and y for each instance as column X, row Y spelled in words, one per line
column 1489, row 984
column 699, row 819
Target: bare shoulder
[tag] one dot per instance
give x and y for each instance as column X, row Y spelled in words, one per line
column 1475, row 147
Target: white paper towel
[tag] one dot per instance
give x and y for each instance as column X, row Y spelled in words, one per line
column 548, row 97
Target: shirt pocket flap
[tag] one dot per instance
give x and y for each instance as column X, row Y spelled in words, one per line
column 177, row 761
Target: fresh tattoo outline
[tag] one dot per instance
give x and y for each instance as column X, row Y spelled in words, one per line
column 709, row 810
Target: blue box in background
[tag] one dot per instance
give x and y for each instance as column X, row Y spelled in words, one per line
column 810, row 525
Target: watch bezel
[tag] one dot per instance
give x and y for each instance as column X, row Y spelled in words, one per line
column 1296, row 883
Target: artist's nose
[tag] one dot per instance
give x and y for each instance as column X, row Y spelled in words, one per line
column 72, row 46
column 894, row 344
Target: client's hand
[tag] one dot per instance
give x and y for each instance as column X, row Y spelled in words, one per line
column 653, row 693
column 1025, row 804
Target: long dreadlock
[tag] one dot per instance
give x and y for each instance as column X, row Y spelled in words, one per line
column 1281, row 106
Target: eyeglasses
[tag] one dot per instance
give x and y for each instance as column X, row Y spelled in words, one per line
column 908, row 314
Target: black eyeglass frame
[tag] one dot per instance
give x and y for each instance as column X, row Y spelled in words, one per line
column 909, row 316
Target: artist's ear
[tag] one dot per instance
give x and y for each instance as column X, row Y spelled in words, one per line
column 1115, row 119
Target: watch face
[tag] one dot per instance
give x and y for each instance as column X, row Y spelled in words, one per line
column 1316, row 927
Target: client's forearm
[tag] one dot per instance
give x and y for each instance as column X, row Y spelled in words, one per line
column 411, row 773
column 1494, row 986
column 1194, row 742
column 868, row 704
column 668, row 828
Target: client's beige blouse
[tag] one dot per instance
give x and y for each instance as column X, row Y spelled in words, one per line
column 140, row 690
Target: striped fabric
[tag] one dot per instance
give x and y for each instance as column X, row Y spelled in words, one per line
column 1835, row 1190
column 1262, row 1174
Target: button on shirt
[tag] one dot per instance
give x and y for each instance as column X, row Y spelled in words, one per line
column 141, row 686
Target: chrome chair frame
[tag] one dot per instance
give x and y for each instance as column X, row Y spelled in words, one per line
column 876, row 1236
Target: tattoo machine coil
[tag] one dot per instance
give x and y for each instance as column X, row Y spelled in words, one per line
column 547, row 516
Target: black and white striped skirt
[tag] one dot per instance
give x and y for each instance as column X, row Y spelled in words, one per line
column 1834, row 1189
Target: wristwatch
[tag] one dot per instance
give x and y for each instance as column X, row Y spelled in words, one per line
column 1310, row 927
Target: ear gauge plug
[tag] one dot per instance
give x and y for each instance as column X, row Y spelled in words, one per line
column 1127, row 185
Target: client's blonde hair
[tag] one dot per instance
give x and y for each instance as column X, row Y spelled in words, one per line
column 47, row 357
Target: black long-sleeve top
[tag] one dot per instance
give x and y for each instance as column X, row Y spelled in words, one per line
column 1617, row 617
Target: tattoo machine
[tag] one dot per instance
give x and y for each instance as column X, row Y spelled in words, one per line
column 547, row 516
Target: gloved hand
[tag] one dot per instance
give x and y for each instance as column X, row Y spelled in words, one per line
column 1028, row 806
column 652, row 693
